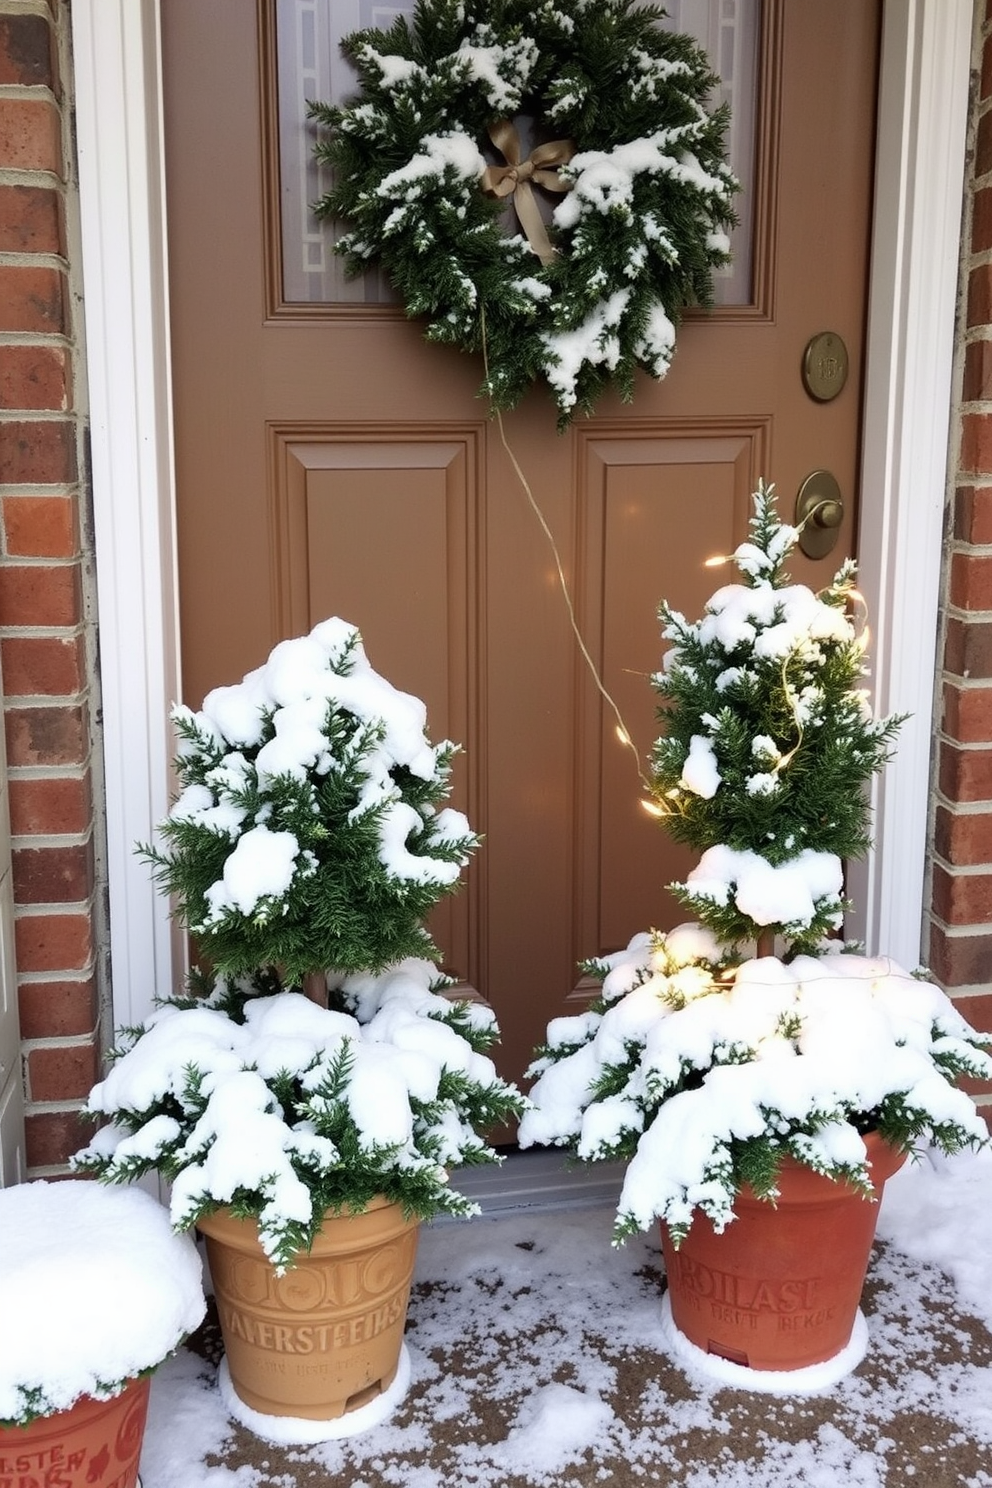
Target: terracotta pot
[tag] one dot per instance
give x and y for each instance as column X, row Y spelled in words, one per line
column 325, row 1338
column 95, row 1442
column 780, row 1287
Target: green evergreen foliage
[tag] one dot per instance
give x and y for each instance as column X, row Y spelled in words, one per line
column 345, row 908
column 769, row 687
column 602, row 75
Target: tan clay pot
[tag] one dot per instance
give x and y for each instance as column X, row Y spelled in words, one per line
column 325, row 1338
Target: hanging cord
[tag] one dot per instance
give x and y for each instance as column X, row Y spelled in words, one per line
column 623, row 732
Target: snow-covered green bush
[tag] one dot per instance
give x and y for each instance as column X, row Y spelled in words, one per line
column 704, row 1063
column 306, row 835
column 282, row 1109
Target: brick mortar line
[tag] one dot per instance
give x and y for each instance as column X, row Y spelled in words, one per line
column 33, row 259
column 963, row 808
column 956, row 870
column 52, row 1108
column 37, row 340
column 46, row 978
column 961, row 932
column 67, row 1041
column 30, row 93
column 960, row 545
column 974, row 991
column 41, row 632
column 39, row 416
column 979, row 617
column 966, row 684
column 22, row 841
column 80, row 907
column 968, row 748
column 9, row 560
column 31, row 773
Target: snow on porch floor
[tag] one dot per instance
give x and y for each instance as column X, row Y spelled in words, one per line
column 538, row 1359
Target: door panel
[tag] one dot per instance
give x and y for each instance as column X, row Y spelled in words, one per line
column 330, row 461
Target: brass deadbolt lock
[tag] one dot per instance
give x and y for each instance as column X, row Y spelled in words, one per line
column 819, row 513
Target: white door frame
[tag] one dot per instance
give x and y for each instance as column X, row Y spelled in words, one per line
column 925, row 70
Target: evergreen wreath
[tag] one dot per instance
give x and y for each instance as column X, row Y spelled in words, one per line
column 624, row 139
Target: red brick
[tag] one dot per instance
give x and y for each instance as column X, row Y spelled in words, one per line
column 34, row 299
column 965, row 774
column 960, row 960
column 27, row 53
column 47, row 736
column 968, row 713
column 963, row 839
column 977, row 384
column 30, row 135
column 40, row 526
column 62, row 1073
column 983, row 146
column 38, row 452
column 976, row 443
column 60, row 805
column 34, row 377
column 974, row 1087
column 971, row 581
column 981, row 221
column 976, row 1010
column 53, row 875
column 31, row 220
column 973, row 514
column 51, row 1137
column 980, row 296
column 39, row 594
column 968, row 648
column 57, row 1009
column 42, row 665
column 53, row 942
column 985, row 85
column 962, row 898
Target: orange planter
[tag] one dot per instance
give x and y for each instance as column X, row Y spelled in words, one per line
column 780, row 1287
column 95, row 1442
column 325, row 1338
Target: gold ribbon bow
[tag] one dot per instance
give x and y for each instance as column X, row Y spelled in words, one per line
column 514, row 178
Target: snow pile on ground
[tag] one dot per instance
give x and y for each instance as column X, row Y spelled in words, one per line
column 539, row 1359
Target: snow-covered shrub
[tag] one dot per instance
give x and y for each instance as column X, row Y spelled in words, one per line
column 706, row 1064
column 706, row 1074
column 265, row 1101
column 306, row 834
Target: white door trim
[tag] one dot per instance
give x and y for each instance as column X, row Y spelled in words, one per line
column 926, row 58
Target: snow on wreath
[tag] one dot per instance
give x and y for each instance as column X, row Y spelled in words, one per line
column 427, row 158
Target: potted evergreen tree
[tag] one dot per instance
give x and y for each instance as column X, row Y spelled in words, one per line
column 307, row 1098
column 762, row 1078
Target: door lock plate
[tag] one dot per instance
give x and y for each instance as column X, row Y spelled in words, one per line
column 819, row 513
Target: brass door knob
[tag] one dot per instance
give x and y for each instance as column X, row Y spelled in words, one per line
column 819, row 514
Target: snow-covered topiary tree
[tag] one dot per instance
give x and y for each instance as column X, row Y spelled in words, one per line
column 768, row 744
column 702, row 1063
column 306, row 835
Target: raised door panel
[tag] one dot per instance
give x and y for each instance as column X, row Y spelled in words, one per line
column 382, row 530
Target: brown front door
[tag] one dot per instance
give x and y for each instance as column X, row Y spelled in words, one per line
column 329, row 461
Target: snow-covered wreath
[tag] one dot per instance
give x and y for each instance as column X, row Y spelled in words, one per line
column 618, row 130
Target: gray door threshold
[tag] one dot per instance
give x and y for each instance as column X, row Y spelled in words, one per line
column 537, row 1181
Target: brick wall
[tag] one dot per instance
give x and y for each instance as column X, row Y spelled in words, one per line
column 960, row 931
column 47, row 640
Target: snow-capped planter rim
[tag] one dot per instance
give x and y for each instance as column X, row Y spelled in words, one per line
column 705, row 1074
column 95, row 1289
column 282, row 1110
